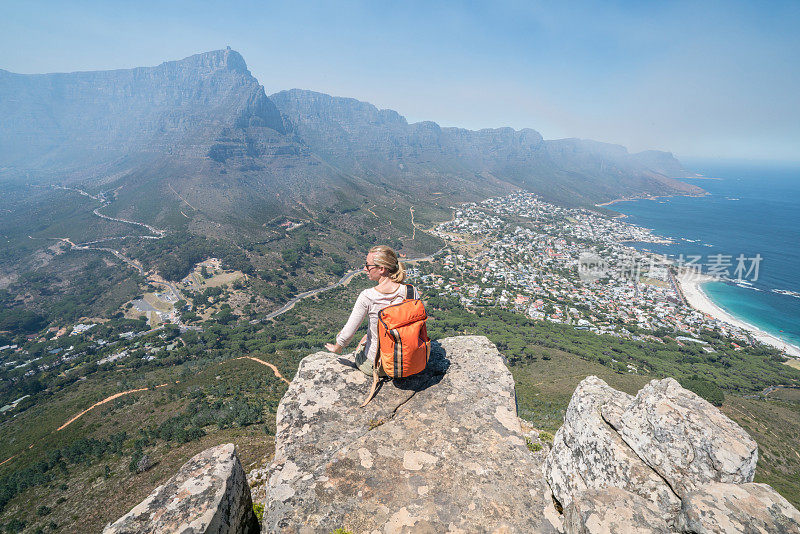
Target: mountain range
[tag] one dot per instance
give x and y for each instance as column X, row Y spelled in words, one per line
column 201, row 136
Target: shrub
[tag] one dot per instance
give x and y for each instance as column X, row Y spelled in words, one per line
column 533, row 447
column 707, row 390
column 258, row 510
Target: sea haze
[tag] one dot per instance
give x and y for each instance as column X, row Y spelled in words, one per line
column 750, row 210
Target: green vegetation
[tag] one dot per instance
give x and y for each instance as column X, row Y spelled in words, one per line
column 206, row 396
column 84, row 451
column 533, row 447
column 708, row 390
column 176, row 254
column 18, row 320
column 522, row 339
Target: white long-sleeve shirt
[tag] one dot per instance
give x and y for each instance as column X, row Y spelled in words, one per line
column 369, row 303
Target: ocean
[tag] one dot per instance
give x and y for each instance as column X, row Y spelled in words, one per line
column 751, row 210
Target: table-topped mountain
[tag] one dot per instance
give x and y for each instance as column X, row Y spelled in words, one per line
column 199, row 130
column 52, row 119
column 203, row 128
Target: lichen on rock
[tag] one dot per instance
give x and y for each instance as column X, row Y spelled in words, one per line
column 208, row 495
column 441, row 451
column 588, row 454
column 666, row 452
column 719, row 508
column 686, row 439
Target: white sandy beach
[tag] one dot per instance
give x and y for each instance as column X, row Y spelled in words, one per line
column 690, row 286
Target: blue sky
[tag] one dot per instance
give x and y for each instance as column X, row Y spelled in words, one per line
column 701, row 79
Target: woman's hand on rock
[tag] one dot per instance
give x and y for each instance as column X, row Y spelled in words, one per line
column 335, row 348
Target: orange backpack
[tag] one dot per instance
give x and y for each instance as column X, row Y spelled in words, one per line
column 403, row 344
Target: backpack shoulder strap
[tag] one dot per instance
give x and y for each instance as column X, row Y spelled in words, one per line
column 374, row 387
column 409, row 291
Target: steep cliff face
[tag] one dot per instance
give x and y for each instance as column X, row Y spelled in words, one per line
column 444, row 451
column 54, row 119
column 199, row 130
column 363, row 138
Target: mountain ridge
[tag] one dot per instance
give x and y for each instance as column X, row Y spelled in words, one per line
column 364, row 138
column 195, row 146
column 207, row 105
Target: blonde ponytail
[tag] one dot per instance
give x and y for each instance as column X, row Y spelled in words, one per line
column 400, row 275
column 384, row 256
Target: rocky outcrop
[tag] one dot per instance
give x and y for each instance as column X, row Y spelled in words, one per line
column 719, row 508
column 442, row 451
column 665, row 459
column 209, row 494
column 685, row 438
column 588, row 454
column 611, row 511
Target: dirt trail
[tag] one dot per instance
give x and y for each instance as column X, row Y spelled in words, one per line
column 123, row 393
column 107, row 399
column 84, row 412
column 180, row 197
column 274, row 369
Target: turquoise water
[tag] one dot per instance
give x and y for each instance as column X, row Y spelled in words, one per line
column 750, row 210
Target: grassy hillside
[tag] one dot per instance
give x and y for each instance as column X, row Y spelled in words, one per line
column 212, row 397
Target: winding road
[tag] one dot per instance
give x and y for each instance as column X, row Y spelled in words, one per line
column 342, row 281
column 305, row 294
column 157, row 233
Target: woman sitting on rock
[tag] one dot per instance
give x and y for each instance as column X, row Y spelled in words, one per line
column 382, row 267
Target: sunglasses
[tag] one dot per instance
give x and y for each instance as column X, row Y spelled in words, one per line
column 368, row 266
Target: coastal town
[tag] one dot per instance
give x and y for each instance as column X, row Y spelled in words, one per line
column 571, row 266
column 578, row 267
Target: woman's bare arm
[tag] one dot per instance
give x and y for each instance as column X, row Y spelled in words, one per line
column 348, row 331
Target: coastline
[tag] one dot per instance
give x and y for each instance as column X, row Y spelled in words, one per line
column 649, row 197
column 690, row 285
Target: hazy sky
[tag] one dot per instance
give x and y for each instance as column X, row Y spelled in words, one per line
column 701, row 79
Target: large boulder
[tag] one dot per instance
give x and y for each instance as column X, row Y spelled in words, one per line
column 441, row 451
column 588, row 454
column 685, row 438
column 664, row 459
column 613, row 511
column 719, row 508
column 208, row 495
